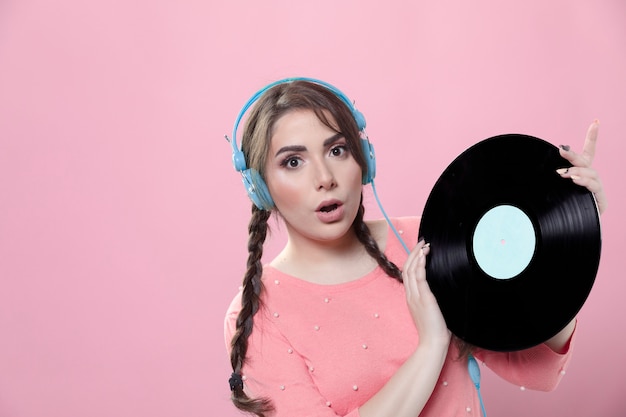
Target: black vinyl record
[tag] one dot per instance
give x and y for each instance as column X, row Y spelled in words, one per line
column 515, row 248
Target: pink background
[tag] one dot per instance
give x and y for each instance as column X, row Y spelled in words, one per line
column 123, row 223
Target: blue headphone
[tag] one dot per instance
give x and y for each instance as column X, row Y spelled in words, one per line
column 252, row 180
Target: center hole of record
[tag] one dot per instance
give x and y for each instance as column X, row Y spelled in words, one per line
column 503, row 242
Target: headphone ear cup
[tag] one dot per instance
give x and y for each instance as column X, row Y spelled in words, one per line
column 370, row 159
column 239, row 160
column 257, row 189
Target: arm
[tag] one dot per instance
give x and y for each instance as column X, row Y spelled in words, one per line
column 538, row 368
column 408, row 390
column 275, row 371
column 560, row 342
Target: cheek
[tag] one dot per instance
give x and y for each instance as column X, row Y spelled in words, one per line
column 354, row 172
column 284, row 190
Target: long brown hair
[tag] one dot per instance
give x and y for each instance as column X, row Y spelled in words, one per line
column 255, row 143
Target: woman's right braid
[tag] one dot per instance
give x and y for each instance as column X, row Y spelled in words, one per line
column 250, row 303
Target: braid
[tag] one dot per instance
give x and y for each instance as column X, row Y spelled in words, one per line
column 250, row 302
column 365, row 237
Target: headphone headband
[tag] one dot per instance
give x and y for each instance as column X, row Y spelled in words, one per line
column 256, row 187
column 259, row 93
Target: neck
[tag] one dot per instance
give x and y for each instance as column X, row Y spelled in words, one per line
column 325, row 262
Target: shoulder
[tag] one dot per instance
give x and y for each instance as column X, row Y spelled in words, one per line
column 380, row 226
column 408, row 224
column 408, row 228
column 230, row 320
column 406, row 231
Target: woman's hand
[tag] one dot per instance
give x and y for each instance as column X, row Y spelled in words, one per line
column 581, row 172
column 429, row 321
column 405, row 394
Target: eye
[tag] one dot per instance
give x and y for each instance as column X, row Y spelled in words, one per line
column 291, row 162
column 338, row 150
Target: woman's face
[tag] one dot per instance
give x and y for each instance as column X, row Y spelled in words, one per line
column 312, row 177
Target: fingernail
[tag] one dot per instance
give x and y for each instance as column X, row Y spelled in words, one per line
column 596, row 121
column 575, row 177
column 426, row 245
column 565, row 147
column 562, row 171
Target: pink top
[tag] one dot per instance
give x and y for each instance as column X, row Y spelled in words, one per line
column 324, row 350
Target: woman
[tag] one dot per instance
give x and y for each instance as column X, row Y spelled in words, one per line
column 332, row 326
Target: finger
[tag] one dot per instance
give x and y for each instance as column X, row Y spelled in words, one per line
column 589, row 174
column 414, row 268
column 589, row 148
column 423, row 287
column 586, row 177
column 409, row 264
column 408, row 270
column 585, row 159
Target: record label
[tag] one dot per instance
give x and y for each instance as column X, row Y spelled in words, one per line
column 503, row 242
column 515, row 248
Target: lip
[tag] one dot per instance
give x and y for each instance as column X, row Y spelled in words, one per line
column 328, row 203
column 332, row 216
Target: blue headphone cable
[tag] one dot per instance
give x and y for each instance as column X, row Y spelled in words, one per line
column 472, row 365
column 474, row 372
column 406, row 248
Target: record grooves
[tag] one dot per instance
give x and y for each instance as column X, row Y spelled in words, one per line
column 515, row 248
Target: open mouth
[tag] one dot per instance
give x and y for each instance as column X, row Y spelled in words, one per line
column 329, row 208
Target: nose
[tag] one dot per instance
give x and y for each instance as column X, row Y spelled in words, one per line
column 324, row 178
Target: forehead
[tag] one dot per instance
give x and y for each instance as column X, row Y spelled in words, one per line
column 301, row 126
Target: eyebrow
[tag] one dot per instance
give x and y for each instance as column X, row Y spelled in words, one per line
column 299, row 148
